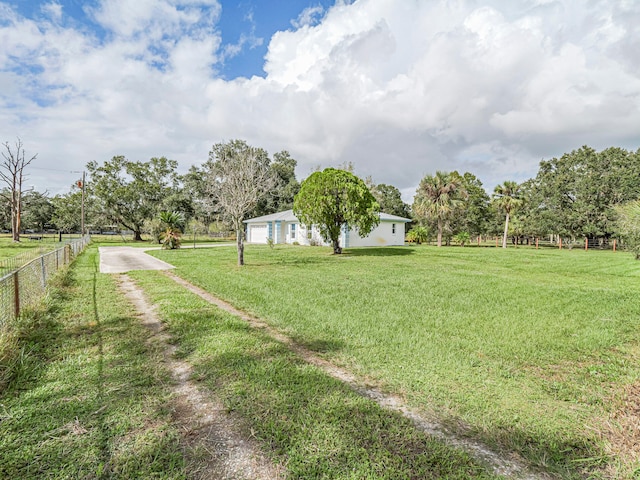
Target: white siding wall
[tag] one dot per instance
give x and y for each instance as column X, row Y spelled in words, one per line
column 380, row 236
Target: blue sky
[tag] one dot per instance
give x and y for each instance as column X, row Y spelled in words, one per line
column 258, row 20
column 248, row 24
column 398, row 88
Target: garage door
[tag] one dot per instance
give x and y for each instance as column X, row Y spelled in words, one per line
column 258, row 233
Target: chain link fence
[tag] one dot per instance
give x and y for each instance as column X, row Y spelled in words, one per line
column 26, row 284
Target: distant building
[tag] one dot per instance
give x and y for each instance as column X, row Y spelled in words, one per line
column 284, row 227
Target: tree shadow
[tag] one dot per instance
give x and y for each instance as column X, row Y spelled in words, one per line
column 378, row 251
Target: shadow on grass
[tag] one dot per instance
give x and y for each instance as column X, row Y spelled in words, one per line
column 91, row 404
column 378, row 251
column 316, row 425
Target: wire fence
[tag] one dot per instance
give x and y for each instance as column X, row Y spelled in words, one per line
column 25, row 284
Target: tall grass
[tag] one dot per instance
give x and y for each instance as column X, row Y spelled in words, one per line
column 526, row 349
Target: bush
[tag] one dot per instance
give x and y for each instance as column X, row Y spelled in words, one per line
column 418, row 235
column 462, row 238
column 628, row 224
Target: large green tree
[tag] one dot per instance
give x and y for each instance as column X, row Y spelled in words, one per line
column 577, row 192
column 129, row 193
column 506, row 198
column 438, row 199
column 474, row 215
column 37, row 211
column 238, row 177
column 390, row 200
column 628, row 223
column 334, row 200
column 67, row 212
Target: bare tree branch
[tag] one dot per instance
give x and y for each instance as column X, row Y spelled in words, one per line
column 239, row 177
column 12, row 173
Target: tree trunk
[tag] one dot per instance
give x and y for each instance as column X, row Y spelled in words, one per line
column 15, row 216
column 337, row 250
column 137, row 236
column 439, row 233
column 506, row 229
column 240, row 245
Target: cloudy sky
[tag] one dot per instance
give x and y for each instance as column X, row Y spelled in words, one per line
column 400, row 88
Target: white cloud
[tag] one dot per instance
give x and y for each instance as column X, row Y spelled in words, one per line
column 399, row 88
column 309, row 16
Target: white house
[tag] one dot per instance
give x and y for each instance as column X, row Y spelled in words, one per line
column 284, row 227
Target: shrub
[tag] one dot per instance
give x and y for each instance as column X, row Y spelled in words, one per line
column 462, row 238
column 171, row 236
column 418, row 235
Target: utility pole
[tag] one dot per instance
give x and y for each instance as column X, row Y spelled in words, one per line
column 82, row 207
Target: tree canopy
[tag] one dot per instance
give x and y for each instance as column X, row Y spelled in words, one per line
column 439, row 198
column 334, row 200
column 238, row 178
column 506, row 198
column 390, row 200
column 129, row 193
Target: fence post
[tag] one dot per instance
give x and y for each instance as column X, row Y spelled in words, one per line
column 44, row 272
column 586, row 244
column 16, row 294
column 537, row 243
column 614, row 244
column 560, row 242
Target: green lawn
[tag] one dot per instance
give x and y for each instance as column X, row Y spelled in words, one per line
column 312, row 424
column 89, row 395
column 529, row 350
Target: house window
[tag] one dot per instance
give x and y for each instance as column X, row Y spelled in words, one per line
column 293, row 230
column 393, row 228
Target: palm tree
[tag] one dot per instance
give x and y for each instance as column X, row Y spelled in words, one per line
column 439, row 197
column 172, row 222
column 506, row 198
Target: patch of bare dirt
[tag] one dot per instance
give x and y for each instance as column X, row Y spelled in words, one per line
column 217, row 446
column 502, row 464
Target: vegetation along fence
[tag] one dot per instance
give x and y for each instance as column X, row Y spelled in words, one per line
column 25, row 285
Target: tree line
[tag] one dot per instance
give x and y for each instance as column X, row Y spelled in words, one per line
column 582, row 194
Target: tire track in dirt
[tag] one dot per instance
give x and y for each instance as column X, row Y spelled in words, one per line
column 507, row 465
column 215, row 445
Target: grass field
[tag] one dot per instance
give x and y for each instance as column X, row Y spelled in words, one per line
column 533, row 351
column 89, row 396
column 313, row 425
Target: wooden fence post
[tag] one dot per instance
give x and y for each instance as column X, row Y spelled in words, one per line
column 560, row 242
column 614, row 244
column 586, row 244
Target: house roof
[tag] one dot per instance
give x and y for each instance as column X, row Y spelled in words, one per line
column 395, row 218
column 288, row 216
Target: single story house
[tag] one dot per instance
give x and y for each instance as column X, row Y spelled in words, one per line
column 284, row 227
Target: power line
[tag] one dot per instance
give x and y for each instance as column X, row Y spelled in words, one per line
column 55, row 170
